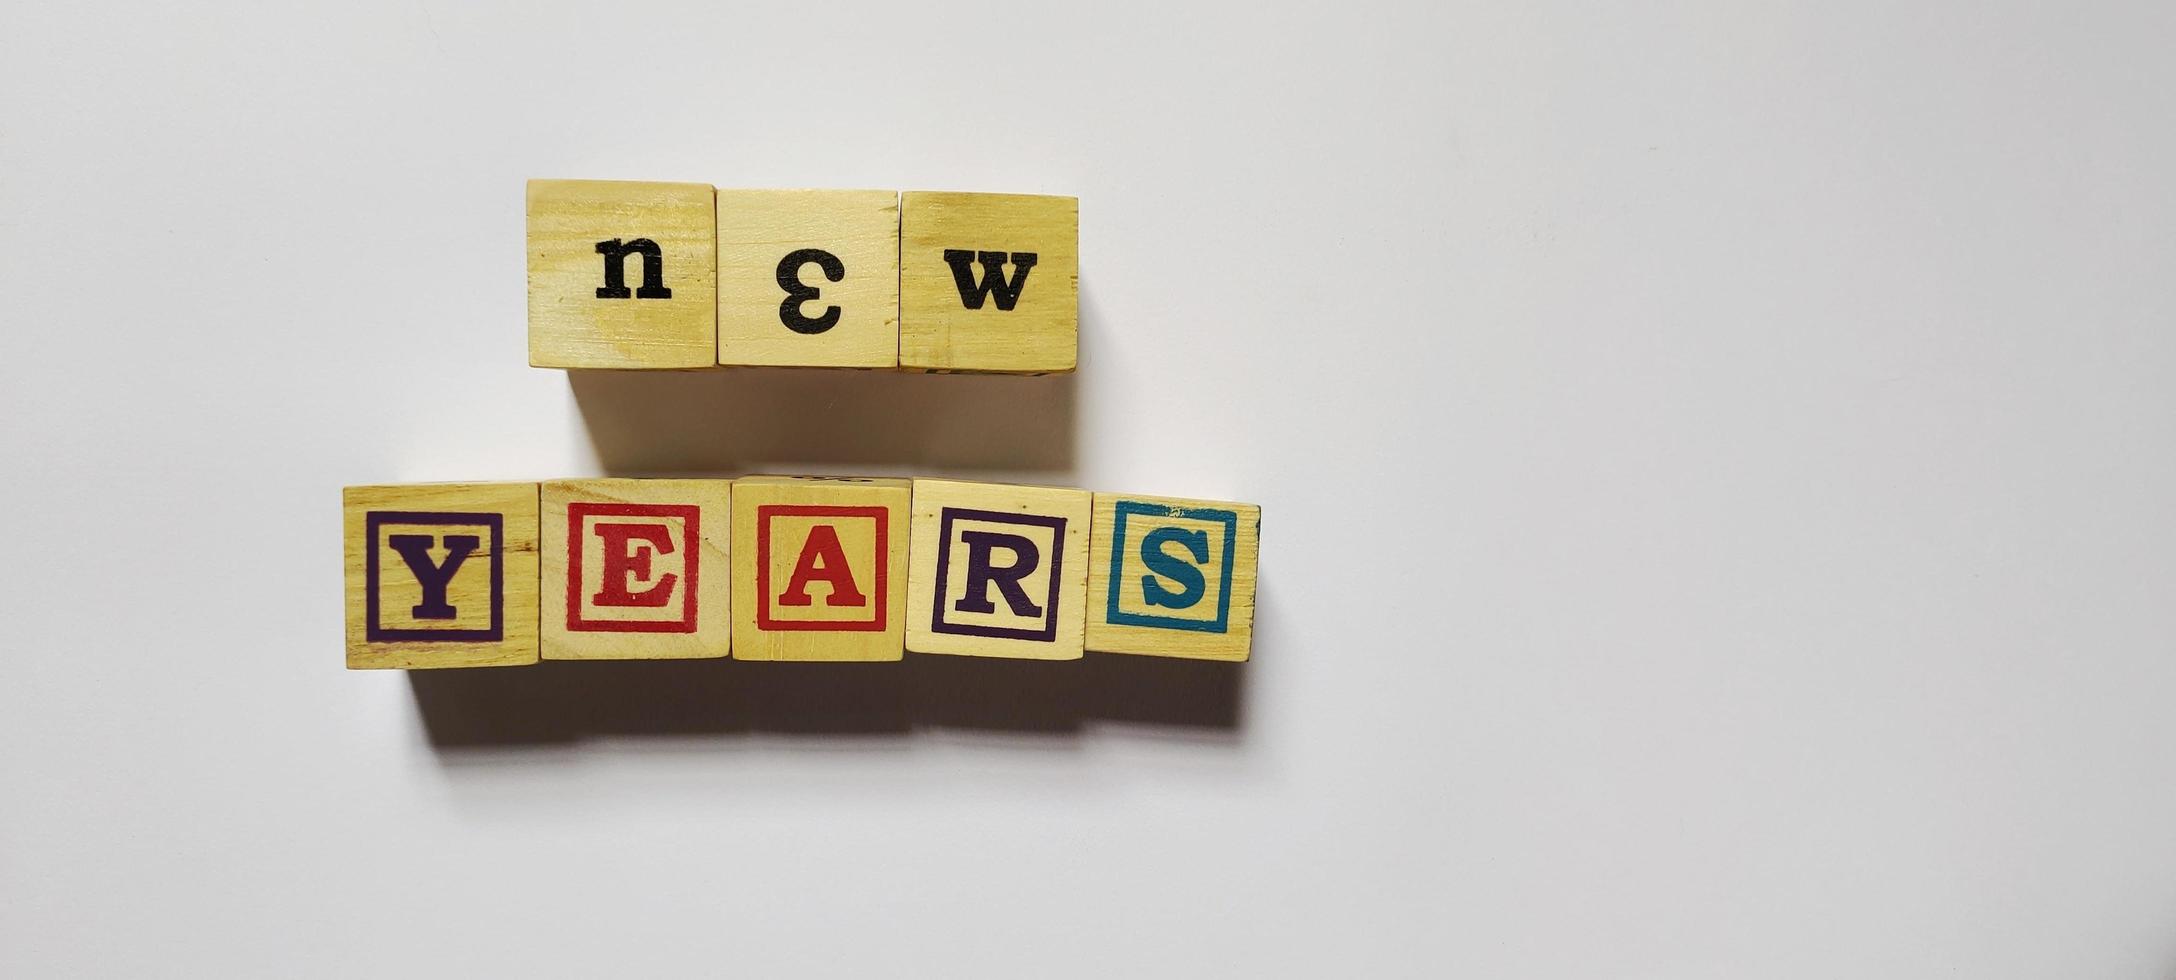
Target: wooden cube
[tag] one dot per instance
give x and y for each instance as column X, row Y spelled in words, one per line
column 441, row 574
column 636, row 569
column 997, row 570
column 622, row 274
column 989, row 282
column 1172, row 578
column 819, row 568
column 808, row 278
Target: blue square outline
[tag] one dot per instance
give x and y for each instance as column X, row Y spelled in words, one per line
column 1125, row 508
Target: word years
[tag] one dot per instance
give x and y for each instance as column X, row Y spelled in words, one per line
column 789, row 568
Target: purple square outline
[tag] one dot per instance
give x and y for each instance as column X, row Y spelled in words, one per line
column 374, row 633
column 1049, row 632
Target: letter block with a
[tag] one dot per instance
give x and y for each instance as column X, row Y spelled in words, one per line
column 997, row 570
column 1172, row 578
column 622, row 274
column 819, row 568
column 808, row 278
column 636, row 569
column 989, row 282
column 441, row 575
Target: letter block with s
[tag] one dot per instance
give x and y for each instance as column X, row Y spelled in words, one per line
column 997, row 570
column 808, row 278
column 636, row 569
column 441, row 575
column 622, row 274
column 1171, row 577
column 989, row 282
column 819, row 568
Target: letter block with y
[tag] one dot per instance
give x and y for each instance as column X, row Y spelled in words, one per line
column 819, row 568
column 1172, row 578
column 997, row 570
column 622, row 274
column 808, row 278
column 636, row 569
column 441, row 575
column 989, row 282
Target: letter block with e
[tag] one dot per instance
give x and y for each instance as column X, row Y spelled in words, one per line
column 819, row 568
column 441, row 575
column 808, row 278
column 997, row 570
column 1172, row 578
column 989, row 282
column 636, row 569
column 622, row 274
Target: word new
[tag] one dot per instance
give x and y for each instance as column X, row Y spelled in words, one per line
column 673, row 276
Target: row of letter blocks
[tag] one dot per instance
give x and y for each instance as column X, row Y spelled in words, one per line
column 625, row 274
column 789, row 568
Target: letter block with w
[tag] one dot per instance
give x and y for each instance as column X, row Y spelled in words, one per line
column 989, row 282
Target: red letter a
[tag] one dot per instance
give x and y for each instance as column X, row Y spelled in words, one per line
column 824, row 560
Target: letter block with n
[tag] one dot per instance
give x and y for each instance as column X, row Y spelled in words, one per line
column 997, row 570
column 636, row 569
column 441, row 575
column 989, row 282
column 1172, row 578
column 819, row 568
column 622, row 274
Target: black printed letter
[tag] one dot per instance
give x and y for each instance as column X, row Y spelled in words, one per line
column 615, row 270
column 993, row 276
column 789, row 279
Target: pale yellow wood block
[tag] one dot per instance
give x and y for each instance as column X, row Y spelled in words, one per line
column 778, row 303
column 819, row 568
column 997, row 570
column 636, row 569
column 441, row 574
column 1170, row 577
column 964, row 314
column 636, row 242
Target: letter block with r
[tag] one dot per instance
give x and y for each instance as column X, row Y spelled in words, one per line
column 997, row 570
column 1172, row 577
column 441, row 575
column 636, row 569
column 819, row 568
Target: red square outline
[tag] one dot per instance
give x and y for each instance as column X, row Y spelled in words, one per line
column 691, row 545
column 765, row 513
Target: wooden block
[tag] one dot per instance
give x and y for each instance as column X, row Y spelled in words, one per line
column 819, row 568
column 441, row 574
column 636, row 569
column 622, row 274
column 989, row 282
column 1172, row 578
column 808, row 278
column 997, row 570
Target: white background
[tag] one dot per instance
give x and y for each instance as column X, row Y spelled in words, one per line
column 1716, row 464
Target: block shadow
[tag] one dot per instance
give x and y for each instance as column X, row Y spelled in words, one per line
column 745, row 420
column 731, row 421
column 734, row 421
column 563, row 703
